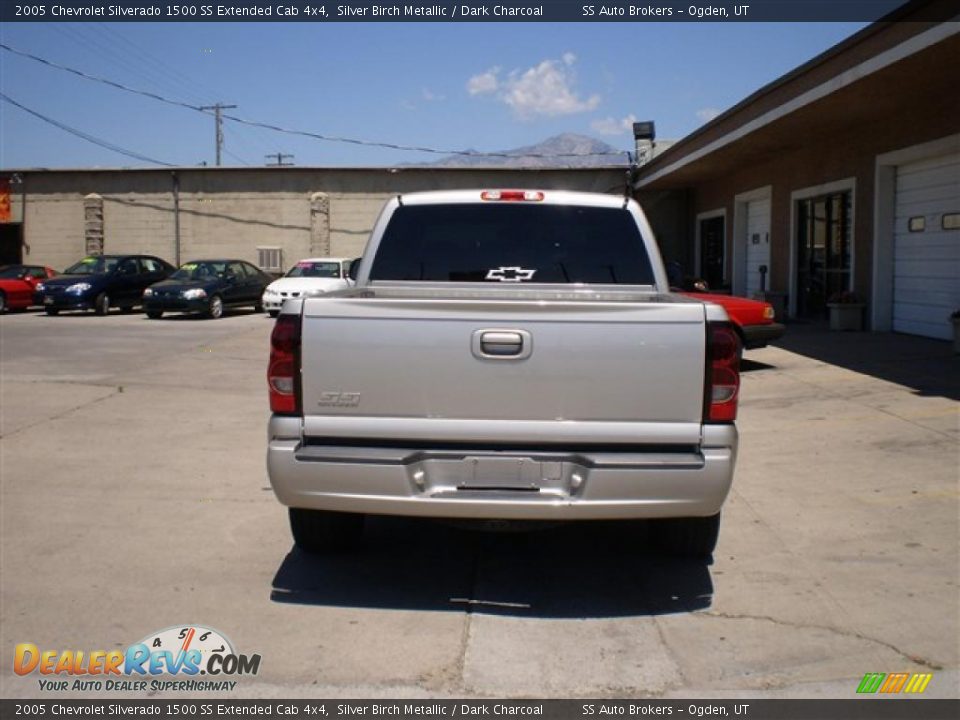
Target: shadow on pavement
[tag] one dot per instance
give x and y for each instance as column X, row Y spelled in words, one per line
column 927, row 366
column 576, row 570
column 748, row 365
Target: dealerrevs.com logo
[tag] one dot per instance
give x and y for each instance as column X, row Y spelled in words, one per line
column 173, row 659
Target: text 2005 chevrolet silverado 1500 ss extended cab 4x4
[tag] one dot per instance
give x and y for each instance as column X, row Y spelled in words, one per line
column 504, row 355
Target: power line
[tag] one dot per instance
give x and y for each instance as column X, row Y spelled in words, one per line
column 83, row 135
column 194, row 89
column 163, row 77
column 83, row 36
column 304, row 133
column 105, row 81
column 236, row 157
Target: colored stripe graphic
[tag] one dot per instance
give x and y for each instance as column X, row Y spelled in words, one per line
column 894, row 682
column 871, row 682
column 918, row 683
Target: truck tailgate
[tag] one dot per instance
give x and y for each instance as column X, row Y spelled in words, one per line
column 472, row 369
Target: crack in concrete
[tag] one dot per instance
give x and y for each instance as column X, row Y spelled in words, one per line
column 827, row 594
column 459, row 681
column 118, row 390
column 854, row 398
column 837, row 631
column 671, row 654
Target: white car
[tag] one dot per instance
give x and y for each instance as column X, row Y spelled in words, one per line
column 313, row 276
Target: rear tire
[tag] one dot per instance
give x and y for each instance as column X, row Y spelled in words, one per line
column 154, row 314
column 273, row 313
column 320, row 532
column 101, row 306
column 3, row 302
column 51, row 311
column 694, row 537
column 258, row 307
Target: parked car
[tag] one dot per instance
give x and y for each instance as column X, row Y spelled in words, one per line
column 100, row 282
column 509, row 355
column 207, row 287
column 313, row 276
column 752, row 319
column 18, row 285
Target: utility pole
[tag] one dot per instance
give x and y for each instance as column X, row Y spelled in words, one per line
column 279, row 163
column 217, row 113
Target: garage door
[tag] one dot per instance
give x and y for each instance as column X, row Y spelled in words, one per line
column 926, row 258
column 758, row 244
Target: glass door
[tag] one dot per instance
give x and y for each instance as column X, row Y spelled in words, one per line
column 823, row 251
column 712, row 261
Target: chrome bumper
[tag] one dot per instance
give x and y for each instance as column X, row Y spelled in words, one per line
column 502, row 484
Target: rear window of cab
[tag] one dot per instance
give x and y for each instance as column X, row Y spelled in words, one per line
column 512, row 243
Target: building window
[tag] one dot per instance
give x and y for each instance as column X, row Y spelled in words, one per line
column 824, row 257
column 270, row 259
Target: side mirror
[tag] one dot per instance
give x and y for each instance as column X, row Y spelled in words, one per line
column 354, row 269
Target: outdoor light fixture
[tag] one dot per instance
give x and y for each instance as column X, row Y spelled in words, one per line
column 644, row 130
column 643, row 135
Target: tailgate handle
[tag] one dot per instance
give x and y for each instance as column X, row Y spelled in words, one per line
column 498, row 344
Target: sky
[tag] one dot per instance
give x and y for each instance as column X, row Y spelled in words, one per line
column 441, row 85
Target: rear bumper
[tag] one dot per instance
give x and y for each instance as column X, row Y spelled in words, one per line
column 757, row 336
column 516, row 485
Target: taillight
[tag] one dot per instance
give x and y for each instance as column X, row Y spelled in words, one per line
column 723, row 373
column 512, row 195
column 283, row 370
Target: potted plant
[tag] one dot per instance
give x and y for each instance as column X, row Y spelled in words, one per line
column 846, row 311
column 955, row 319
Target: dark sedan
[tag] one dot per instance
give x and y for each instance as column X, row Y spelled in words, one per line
column 207, row 287
column 100, row 282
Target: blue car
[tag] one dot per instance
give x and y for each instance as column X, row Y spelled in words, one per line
column 207, row 287
column 100, row 282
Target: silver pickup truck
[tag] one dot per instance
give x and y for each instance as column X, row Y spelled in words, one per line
column 504, row 355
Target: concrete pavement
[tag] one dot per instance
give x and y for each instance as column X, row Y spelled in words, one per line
column 134, row 498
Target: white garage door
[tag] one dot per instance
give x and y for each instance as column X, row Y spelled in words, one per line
column 758, row 244
column 926, row 257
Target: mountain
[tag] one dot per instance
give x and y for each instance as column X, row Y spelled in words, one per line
column 566, row 150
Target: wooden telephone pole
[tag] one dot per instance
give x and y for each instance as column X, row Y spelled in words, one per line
column 218, row 116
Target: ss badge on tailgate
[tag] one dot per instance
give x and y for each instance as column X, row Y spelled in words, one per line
column 332, row 398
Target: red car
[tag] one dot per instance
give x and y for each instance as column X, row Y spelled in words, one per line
column 18, row 283
column 753, row 318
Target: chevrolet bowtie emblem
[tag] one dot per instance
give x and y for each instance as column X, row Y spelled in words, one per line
column 510, row 274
